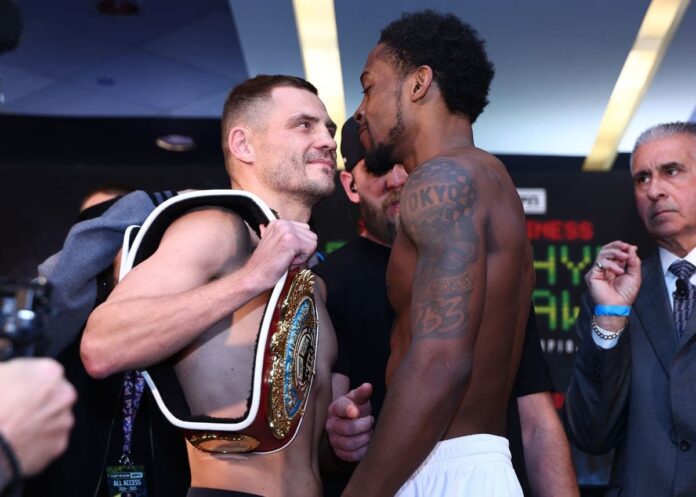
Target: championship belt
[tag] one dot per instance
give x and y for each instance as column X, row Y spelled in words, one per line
column 285, row 352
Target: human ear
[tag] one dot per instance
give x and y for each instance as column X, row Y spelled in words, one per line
column 240, row 144
column 422, row 79
column 348, row 183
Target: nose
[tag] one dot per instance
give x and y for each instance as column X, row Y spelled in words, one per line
column 325, row 140
column 655, row 190
column 396, row 177
column 359, row 114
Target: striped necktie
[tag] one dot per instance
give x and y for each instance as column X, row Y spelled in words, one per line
column 684, row 295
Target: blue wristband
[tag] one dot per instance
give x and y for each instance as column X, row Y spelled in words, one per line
column 612, row 310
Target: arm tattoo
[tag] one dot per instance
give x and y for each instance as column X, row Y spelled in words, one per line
column 440, row 202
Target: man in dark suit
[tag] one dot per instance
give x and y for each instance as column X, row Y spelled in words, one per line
column 635, row 371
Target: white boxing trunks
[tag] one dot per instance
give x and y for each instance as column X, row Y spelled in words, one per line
column 472, row 466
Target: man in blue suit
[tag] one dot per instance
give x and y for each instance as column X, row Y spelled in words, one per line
column 634, row 386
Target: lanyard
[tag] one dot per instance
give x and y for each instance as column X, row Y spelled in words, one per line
column 133, row 387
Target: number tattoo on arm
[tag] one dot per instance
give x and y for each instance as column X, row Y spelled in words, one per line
column 438, row 208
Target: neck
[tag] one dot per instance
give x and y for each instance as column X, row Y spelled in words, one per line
column 677, row 246
column 287, row 206
column 437, row 136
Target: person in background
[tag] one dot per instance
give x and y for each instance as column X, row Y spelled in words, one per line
column 82, row 275
column 35, row 418
column 633, row 382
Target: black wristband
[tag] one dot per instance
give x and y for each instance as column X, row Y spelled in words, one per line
column 14, row 487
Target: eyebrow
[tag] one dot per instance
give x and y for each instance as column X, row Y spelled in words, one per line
column 295, row 118
column 660, row 167
column 670, row 164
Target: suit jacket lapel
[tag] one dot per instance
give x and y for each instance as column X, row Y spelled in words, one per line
column 654, row 313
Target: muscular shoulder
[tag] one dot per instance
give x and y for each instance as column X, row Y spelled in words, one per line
column 210, row 238
column 438, row 196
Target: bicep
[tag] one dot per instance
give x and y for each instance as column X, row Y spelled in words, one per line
column 441, row 217
column 194, row 249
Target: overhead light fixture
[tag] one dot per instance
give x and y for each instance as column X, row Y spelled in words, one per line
column 316, row 28
column 659, row 25
column 176, row 143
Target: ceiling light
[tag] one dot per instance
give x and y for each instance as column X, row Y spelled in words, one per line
column 659, row 25
column 176, row 143
column 316, row 28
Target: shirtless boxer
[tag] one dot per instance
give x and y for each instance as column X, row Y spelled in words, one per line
column 460, row 275
column 200, row 297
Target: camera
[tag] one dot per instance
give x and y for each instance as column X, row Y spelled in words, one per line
column 24, row 306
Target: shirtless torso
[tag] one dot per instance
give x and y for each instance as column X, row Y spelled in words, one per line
column 215, row 373
column 461, row 269
column 460, row 274
column 212, row 251
column 199, row 298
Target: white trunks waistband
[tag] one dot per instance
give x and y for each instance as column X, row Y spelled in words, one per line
column 482, row 447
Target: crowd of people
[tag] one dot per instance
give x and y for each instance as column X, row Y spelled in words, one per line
column 408, row 363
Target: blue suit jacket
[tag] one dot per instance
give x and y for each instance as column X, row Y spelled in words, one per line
column 639, row 397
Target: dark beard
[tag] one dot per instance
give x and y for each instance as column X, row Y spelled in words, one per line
column 378, row 161
column 380, row 158
column 377, row 224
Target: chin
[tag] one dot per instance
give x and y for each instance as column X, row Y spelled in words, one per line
column 322, row 189
column 664, row 231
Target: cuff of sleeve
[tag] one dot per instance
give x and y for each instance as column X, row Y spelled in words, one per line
column 605, row 344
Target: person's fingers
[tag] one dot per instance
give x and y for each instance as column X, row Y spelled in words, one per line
column 344, row 407
column 350, row 444
column 362, row 394
column 633, row 263
column 353, row 456
column 349, row 427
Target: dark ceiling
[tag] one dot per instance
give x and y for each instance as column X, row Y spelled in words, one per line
column 556, row 62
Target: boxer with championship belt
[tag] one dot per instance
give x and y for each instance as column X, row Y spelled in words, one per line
column 284, row 354
column 206, row 313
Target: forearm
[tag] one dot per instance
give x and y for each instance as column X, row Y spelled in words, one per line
column 546, row 451
column 552, row 474
column 138, row 332
column 422, row 400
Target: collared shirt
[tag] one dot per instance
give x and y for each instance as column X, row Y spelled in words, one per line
column 666, row 259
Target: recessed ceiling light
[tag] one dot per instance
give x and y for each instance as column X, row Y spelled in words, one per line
column 176, row 143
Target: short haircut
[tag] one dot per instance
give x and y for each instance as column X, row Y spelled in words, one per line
column 453, row 50
column 664, row 130
column 244, row 97
column 114, row 189
column 111, row 190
